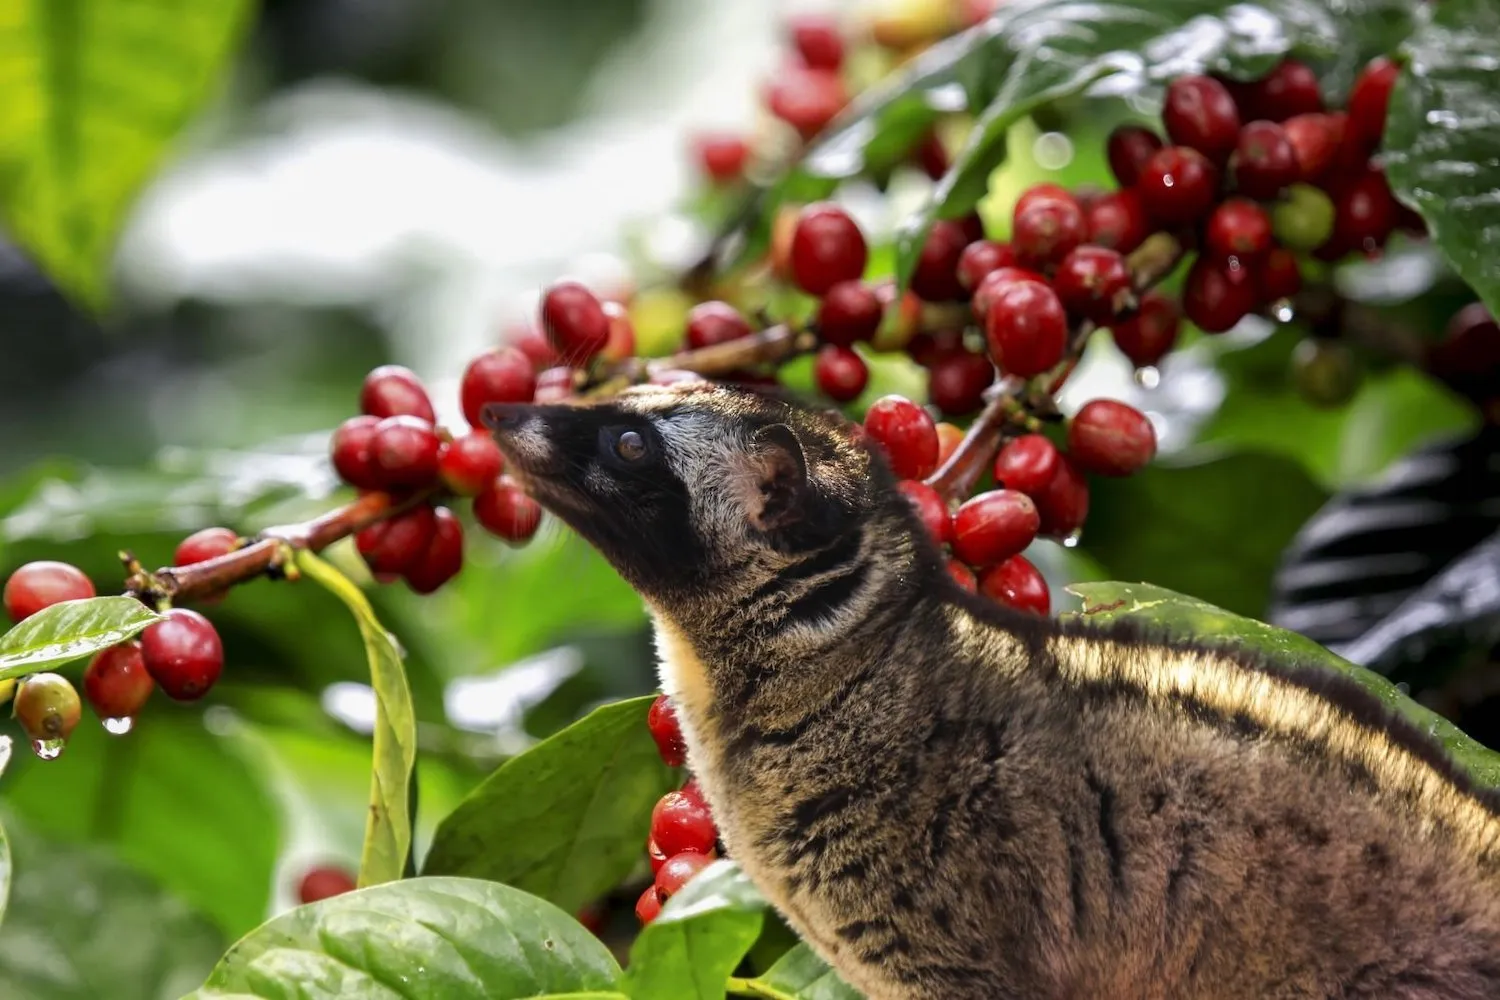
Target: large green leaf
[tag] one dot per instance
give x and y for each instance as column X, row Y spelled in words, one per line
column 70, row 631
column 802, row 975
column 388, row 826
column 419, row 939
column 1189, row 618
column 567, row 819
column 691, row 949
column 95, row 90
column 1442, row 141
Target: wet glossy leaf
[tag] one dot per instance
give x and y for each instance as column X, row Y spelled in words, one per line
column 802, row 975
column 419, row 939
column 70, row 631
column 689, row 952
column 566, row 819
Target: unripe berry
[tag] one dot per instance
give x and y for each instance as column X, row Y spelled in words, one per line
column 963, row 576
column 899, row 320
column 807, row 99
column 994, row 283
column 840, row 373
column 1018, row 584
column 935, row 275
column 722, row 157
column 956, row 383
column 1027, row 464
column 1325, row 372
column 324, row 882
column 1178, row 186
column 818, row 41
column 1093, row 283
column 47, row 707
column 1315, row 139
column 116, row 682
column 393, row 391
column 1047, row 229
column 993, row 526
column 1289, row 89
column 444, row 557
column 621, row 343
column 1064, row 504
column 1369, row 99
column 470, row 463
column 1146, row 337
column 665, row 730
column 1264, row 161
column 950, row 436
column 850, row 312
column 575, row 321
column 906, row 433
column 183, row 654
column 505, row 511
column 648, row 906
column 1217, row 295
column 1026, row 329
column 980, row 258
column 1200, row 113
column 930, row 508
column 1128, row 149
column 715, row 322
column 504, row 375
column 1303, row 219
column 201, row 546
column 405, row 451
column 392, row 546
column 682, row 823
column 1238, row 228
column 1278, row 276
column 41, row 584
column 1118, row 220
column 826, row 248
column 678, row 870
column 1111, row 438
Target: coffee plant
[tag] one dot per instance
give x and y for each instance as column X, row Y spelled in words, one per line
column 1297, row 202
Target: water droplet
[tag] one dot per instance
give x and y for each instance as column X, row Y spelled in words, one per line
column 1282, row 311
column 121, row 726
column 48, row 749
column 1071, row 542
column 1147, row 377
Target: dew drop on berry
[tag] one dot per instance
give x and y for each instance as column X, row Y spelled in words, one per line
column 48, row 749
column 119, row 727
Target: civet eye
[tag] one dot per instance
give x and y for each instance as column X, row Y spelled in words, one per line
column 630, row 446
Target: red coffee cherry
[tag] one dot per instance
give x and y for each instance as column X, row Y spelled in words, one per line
column 827, row 248
column 930, row 508
column 1146, row 337
column 1217, row 295
column 963, row 576
column 1468, row 355
column 1110, row 438
column 1264, row 161
column 504, row 375
column 1278, row 276
column 201, row 546
column 693, row 790
column 935, row 276
column 394, row 545
column 1238, row 228
column 721, row 157
column 393, row 391
column 352, row 457
column 1128, row 149
column 956, row 383
column 1178, row 186
column 930, row 155
column 404, row 450
column 1200, row 113
column 683, row 823
column 1289, row 89
column 47, row 707
column 1364, row 213
column 575, row 321
column 621, row 343
column 324, row 882
column 530, row 340
column 710, row 323
column 469, row 463
column 1369, row 99
column 840, row 373
column 444, row 558
column 116, row 682
column 931, row 346
column 1093, row 283
column 807, row 99
column 993, row 526
column 1027, row 329
column 1118, row 220
column 41, row 584
column 183, row 654
column 1064, row 505
column 1045, row 191
column 1047, row 229
column 1027, row 464
column 1018, row 584
column 661, row 719
column 555, row 384
column 850, row 312
column 980, row 258
column 678, row 870
column 907, row 435
column 993, row 283
column 950, row 436
column 505, row 511
column 1314, row 138
column 648, row 907
column 817, row 40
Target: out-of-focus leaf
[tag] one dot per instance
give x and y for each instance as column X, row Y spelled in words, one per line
column 70, row 631
column 802, row 974
column 564, row 819
column 419, row 939
column 691, row 949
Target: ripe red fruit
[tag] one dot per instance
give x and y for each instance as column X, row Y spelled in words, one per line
column 1064, row 504
column 1178, row 185
column 1047, row 229
column 806, row 98
column 1111, row 438
column 1128, row 149
column 1147, row 336
column 1369, row 99
column 392, row 390
column 930, row 508
column 956, row 383
column 1264, row 161
column 404, row 451
column 935, row 276
column 827, row 248
column 47, row 707
column 1238, row 228
column 1200, row 113
column 950, row 436
column 841, row 374
column 661, row 719
column 993, row 526
column 201, row 546
column 1018, row 584
column 655, row 856
column 1289, row 89
column 1045, row 191
column 980, row 258
column 931, row 156
column 621, row 343
column 352, row 457
column 41, row 584
column 907, row 434
column 554, row 384
column 682, row 823
column 678, row 869
column 722, row 157
column 1468, row 355
column 648, row 907
column 505, row 511
column 1027, row 329
column 715, row 322
column 116, row 683
column 1278, row 276
column 574, row 320
column 529, row 339
column 1118, row 220
column 850, row 312
column 183, row 654
column 324, row 882
column 693, row 789
column 470, row 463
column 1217, row 294
column 818, row 41
column 931, row 346
column 444, row 557
column 993, row 283
column 963, row 576
column 1314, row 138
column 1364, row 213
column 504, row 375
column 1027, row 464
column 395, row 544
column 1093, row 283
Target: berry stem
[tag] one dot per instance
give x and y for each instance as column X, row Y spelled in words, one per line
column 1325, row 311
column 775, row 343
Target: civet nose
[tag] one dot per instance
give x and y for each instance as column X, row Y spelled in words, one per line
column 505, row 416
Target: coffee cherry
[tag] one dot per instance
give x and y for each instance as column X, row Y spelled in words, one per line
column 980, row 258
column 621, row 343
column 850, row 312
column 1289, row 89
column 963, row 576
column 1314, row 139
column 931, row 346
column 353, row 459
column 678, row 869
column 950, row 436
column 1110, row 438
column 1047, row 229
column 1064, row 505
column 1118, row 220
column 930, row 508
column 1018, row 584
column 655, row 856
column 1364, row 213
column 1045, row 191
column 1178, row 186
column 324, row 882
column 404, row 450
column 555, row 384
column 574, row 320
column 201, row 546
column 935, row 276
column 710, row 323
column 682, row 823
column 1278, row 276
column 694, row 790
column 956, row 383
column 504, row 375
column 1467, row 357
column 116, row 683
column 41, row 584
column 907, row 435
column 807, row 99
column 1238, row 228
column 1027, row 329
column 827, row 248
column 661, row 719
column 1093, row 283
column 530, row 340
column 505, row 511
column 1325, row 372
column 392, row 546
column 1128, row 149
column 393, row 391
column 1027, row 464
column 1264, row 161
column 1368, row 100
column 1217, row 294
column 722, row 157
column 469, row 463
column 1303, row 219
column 993, row 526
column 841, row 374
column 47, row 707
column 996, row 281
column 818, row 41
column 648, row 907
column 1200, row 113
column 183, row 654
column 444, row 558
column 1146, row 337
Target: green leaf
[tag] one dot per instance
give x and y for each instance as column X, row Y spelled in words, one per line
column 802, row 975
column 565, row 819
column 1286, row 652
column 83, row 926
column 388, row 828
column 70, row 631
column 419, row 939
column 95, row 90
column 1442, row 139
column 691, row 949
column 1215, row 529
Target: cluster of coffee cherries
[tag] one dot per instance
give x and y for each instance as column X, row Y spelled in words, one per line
column 684, row 839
